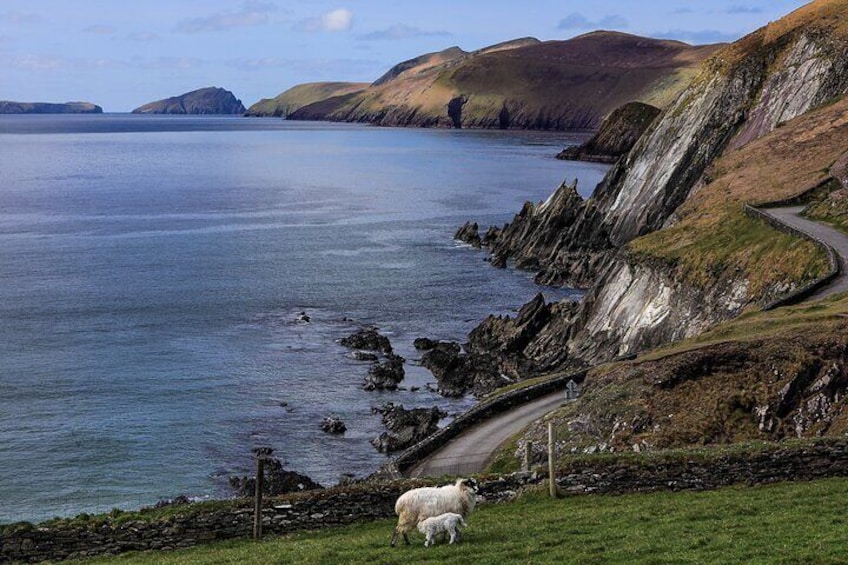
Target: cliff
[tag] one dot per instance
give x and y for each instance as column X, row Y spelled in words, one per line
column 618, row 134
column 211, row 100
column 663, row 243
column 525, row 84
column 7, row 107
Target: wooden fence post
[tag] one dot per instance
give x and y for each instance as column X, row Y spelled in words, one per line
column 261, row 454
column 528, row 452
column 551, row 453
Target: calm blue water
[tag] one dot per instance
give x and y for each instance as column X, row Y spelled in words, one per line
column 151, row 271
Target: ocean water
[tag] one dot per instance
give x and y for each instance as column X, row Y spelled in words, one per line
column 152, row 270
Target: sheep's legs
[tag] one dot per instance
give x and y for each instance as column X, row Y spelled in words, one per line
column 395, row 537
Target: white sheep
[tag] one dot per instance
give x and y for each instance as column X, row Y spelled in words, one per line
column 447, row 523
column 419, row 504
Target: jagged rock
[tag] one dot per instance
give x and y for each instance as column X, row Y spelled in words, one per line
column 405, row 427
column 469, row 233
column 333, row 425
column 458, row 374
column 424, row 343
column 617, row 136
column 277, row 481
column 368, row 339
column 385, row 375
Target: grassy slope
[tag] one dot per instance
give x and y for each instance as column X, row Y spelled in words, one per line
column 786, row 523
column 714, row 239
column 302, row 95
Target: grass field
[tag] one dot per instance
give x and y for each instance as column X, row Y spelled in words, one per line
column 784, row 523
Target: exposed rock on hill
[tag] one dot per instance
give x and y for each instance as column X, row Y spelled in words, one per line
column 210, row 100
column 524, row 84
column 8, row 107
column 618, row 134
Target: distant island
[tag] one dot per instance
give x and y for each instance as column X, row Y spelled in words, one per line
column 210, row 100
column 9, row 107
column 519, row 84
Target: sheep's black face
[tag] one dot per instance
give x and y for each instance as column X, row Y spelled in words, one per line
column 470, row 484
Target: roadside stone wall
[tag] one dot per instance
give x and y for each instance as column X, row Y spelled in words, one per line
column 607, row 474
column 832, row 258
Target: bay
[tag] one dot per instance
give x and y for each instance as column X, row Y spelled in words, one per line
column 152, row 270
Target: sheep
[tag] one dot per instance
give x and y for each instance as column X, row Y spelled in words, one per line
column 447, row 523
column 421, row 503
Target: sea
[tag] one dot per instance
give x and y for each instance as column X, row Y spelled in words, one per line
column 153, row 272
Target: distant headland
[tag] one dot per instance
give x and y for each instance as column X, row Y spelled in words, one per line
column 210, row 100
column 9, row 107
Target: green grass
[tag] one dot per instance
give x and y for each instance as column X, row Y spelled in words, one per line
column 785, row 523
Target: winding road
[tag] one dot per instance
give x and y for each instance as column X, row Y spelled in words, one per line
column 838, row 240
column 470, row 452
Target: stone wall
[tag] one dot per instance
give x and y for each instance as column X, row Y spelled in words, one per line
column 608, row 474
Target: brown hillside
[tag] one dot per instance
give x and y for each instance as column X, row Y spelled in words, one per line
column 521, row 84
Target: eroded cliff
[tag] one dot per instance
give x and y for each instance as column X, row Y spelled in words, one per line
column 684, row 183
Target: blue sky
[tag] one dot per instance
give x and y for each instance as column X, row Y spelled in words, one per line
column 121, row 54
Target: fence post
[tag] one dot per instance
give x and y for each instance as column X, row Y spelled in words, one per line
column 551, row 452
column 261, row 454
column 528, row 452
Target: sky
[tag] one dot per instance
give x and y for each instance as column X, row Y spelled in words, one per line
column 121, row 54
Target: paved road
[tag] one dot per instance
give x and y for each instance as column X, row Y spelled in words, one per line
column 470, row 452
column 831, row 236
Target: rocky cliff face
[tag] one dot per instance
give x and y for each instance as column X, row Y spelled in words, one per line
column 209, row 100
column 743, row 92
column 7, row 107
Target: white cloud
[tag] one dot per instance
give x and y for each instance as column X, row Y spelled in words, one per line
column 336, row 20
column 20, row 18
column 576, row 20
column 401, row 31
column 100, row 30
column 252, row 13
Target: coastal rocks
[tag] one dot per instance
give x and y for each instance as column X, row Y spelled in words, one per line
column 617, row 136
column 383, row 374
column 405, row 427
column 277, row 481
column 369, row 340
column 469, row 233
column 386, row 374
column 459, row 373
column 333, row 425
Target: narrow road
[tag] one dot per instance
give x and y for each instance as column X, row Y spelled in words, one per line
column 833, row 237
column 470, row 452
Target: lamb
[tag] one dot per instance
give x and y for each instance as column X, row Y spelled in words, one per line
column 419, row 504
column 447, row 523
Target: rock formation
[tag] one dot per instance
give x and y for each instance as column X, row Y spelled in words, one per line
column 277, row 481
column 210, row 100
column 617, row 136
column 406, row 427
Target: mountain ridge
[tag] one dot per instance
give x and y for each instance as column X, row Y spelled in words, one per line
column 522, row 84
